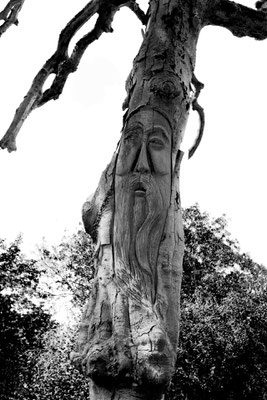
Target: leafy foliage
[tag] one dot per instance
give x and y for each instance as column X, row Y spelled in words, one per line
column 54, row 375
column 210, row 249
column 223, row 342
column 23, row 320
column 69, row 269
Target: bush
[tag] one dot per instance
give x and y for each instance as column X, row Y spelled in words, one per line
column 223, row 342
column 55, row 377
column 23, row 320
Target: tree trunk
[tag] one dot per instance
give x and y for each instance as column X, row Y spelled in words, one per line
column 129, row 333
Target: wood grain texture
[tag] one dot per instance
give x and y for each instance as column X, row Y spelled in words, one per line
column 129, row 333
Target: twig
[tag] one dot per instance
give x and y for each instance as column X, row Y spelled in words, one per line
column 196, row 107
column 10, row 14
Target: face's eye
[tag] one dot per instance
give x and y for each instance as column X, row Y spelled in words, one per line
column 132, row 136
column 156, row 143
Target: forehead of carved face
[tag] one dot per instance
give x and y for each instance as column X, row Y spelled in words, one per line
column 145, row 145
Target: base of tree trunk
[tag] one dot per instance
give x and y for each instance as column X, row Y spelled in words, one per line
column 101, row 393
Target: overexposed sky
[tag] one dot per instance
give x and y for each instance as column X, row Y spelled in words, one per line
column 64, row 146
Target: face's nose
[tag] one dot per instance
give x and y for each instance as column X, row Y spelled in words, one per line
column 142, row 164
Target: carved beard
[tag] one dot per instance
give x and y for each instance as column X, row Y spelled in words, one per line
column 140, row 214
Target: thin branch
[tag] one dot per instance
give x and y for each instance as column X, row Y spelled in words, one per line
column 240, row 20
column 10, row 14
column 61, row 64
column 196, row 107
column 138, row 11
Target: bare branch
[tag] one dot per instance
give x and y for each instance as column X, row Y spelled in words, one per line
column 138, row 11
column 61, row 64
column 10, row 14
column 240, row 20
column 196, row 107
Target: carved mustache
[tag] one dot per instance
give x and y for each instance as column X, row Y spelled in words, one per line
column 141, row 182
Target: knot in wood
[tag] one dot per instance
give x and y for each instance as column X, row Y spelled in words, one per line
column 165, row 89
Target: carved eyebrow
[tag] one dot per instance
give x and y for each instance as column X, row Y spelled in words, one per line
column 158, row 130
column 133, row 130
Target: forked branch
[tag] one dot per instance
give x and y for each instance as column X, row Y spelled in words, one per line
column 61, row 64
column 9, row 15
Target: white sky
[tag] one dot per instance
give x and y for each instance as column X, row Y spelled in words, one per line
column 64, row 146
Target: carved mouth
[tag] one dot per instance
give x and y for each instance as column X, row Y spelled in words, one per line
column 140, row 191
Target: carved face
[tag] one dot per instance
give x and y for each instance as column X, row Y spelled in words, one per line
column 142, row 195
column 146, row 146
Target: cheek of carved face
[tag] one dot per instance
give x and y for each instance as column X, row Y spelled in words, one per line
column 129, row 149
column 145, row 146
column 159, row 150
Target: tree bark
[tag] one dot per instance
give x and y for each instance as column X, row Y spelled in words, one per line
column 128, row 336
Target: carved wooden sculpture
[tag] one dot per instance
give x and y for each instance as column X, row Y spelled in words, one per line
column 130, row 328
column 129, row 332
